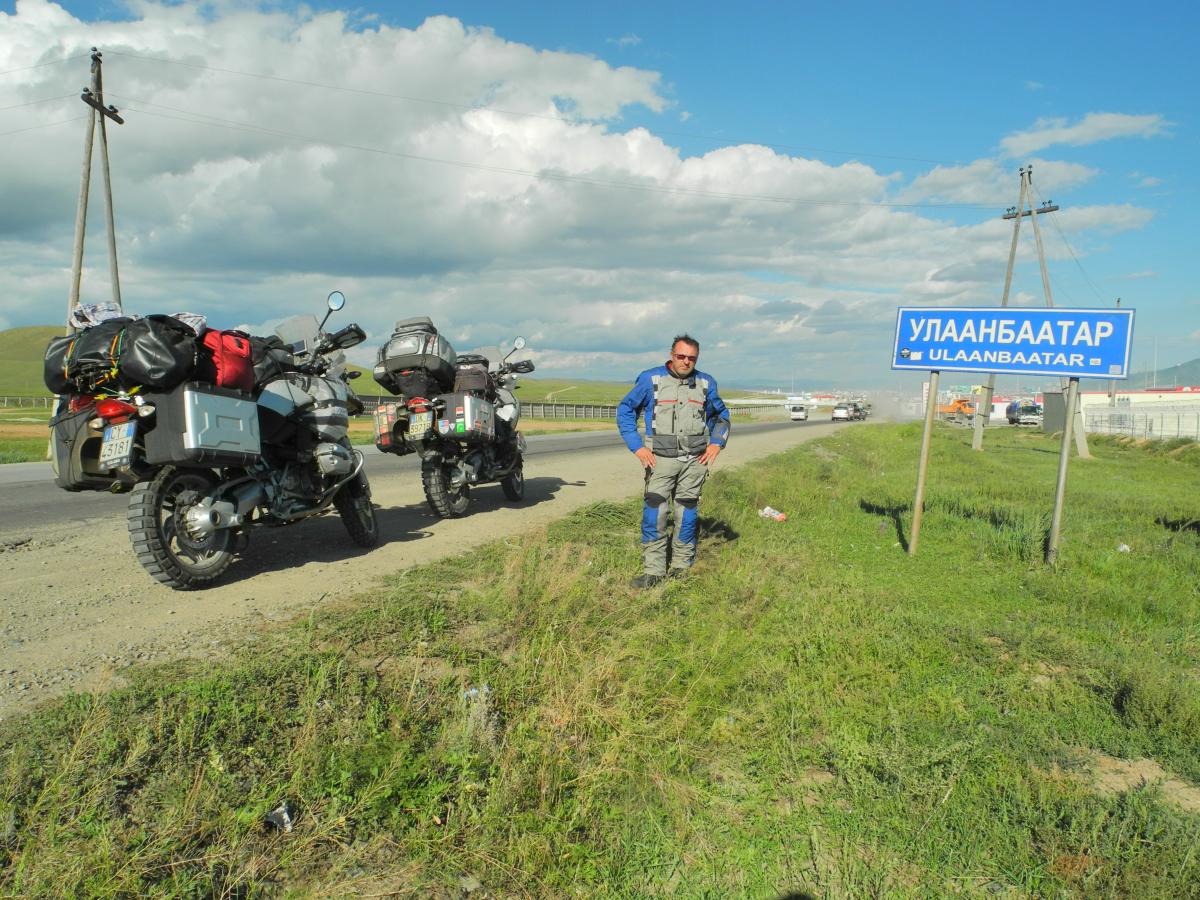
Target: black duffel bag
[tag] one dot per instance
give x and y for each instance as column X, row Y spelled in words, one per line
column 54, row 372
column 271, row 358
column 158, row 352
column 82, row 362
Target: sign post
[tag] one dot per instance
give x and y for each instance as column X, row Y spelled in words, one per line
column 919, row 500
column 1060, row 487
column 1067, row 343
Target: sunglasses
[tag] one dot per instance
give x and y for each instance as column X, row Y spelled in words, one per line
column 682, row 356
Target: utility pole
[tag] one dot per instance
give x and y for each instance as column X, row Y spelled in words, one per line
column 983, row 408
column 93, row 96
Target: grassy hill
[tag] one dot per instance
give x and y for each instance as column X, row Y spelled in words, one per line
column 22, row 351
column 21, row 354
column 1182, row 374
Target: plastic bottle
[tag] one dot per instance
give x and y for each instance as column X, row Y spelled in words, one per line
column 768, row 512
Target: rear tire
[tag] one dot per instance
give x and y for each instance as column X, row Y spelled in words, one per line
column 353, row 504
column 156, row 526
column 444, row 500
column 513, row 484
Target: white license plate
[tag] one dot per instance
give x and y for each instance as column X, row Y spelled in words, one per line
column 117, row 447
column 419, row 425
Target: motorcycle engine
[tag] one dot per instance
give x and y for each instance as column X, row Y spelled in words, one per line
column 333, row 459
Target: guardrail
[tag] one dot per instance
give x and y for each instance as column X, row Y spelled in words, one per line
column 536, row 409
column 1151, row 426
column 531, row 409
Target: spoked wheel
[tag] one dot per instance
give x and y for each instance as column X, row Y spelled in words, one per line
column 447, row 500
column 353, row 504
column 158, row 528
column 513, row 484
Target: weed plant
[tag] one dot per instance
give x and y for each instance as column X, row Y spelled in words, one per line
column 811, row 712
column 14, row 450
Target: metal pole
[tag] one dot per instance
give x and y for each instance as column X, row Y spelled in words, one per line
column 112, row 230
column 1112, row 384
column 923, row 464
column 1064, row 456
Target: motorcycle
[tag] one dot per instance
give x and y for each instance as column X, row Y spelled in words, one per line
column 203, row 465
column 466, row 436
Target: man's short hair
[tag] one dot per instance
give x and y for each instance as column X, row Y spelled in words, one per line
column 686, row 339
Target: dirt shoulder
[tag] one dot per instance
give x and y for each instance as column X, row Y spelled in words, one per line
column 76, row 609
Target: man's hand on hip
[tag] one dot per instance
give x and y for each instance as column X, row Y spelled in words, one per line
column 646, row 456
column 709, row 454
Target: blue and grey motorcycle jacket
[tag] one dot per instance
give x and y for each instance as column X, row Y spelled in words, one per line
column 681, row 416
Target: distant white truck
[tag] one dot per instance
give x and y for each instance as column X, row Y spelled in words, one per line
column 797, row 408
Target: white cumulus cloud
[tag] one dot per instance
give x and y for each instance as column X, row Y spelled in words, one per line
column 1091, row 128
column 444, row 170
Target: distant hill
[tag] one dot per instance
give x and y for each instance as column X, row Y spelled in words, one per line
column 21, row 353
column 1182, row 374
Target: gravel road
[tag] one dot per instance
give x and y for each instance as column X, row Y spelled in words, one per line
column 76, row 608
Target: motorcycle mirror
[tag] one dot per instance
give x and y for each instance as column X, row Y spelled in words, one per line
column 518, row 344
column 335, row 301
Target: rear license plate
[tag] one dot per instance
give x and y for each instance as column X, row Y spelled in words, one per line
column 117, row 447
column 419, row 425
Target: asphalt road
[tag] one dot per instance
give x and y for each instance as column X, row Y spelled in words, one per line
column 30, row 499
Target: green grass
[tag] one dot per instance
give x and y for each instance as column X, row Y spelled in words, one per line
column 22, row 351
column 812, row 710
column 13, row 450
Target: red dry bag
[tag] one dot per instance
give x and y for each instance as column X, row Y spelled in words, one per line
column 229, row 361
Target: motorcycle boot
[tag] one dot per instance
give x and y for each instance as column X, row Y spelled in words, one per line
column 643, row 582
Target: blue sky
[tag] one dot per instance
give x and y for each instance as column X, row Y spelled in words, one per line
column 863, row 105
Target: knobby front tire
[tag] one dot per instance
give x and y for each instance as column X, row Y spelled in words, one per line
column 513, row 484
column 353, row 502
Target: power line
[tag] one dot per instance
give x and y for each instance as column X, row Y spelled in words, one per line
column 1083, row 271
column 53, row 62
column 36, row 102
column 509, row 112
column 43, row 125
column 527, row 173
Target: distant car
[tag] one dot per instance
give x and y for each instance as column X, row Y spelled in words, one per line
column 1023, row 412
column 798, row 413
column 858, row 411
column 841, row 412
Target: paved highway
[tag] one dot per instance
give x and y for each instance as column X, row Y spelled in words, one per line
column 30, row 499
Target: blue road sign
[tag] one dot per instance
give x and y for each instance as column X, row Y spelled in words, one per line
column 1077, row 343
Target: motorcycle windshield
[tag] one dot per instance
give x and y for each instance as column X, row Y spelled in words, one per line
column 300, row 333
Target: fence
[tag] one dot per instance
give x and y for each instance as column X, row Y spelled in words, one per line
column 1161, row 424
column 42, row 402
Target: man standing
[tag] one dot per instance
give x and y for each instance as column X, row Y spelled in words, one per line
column 686, row 425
